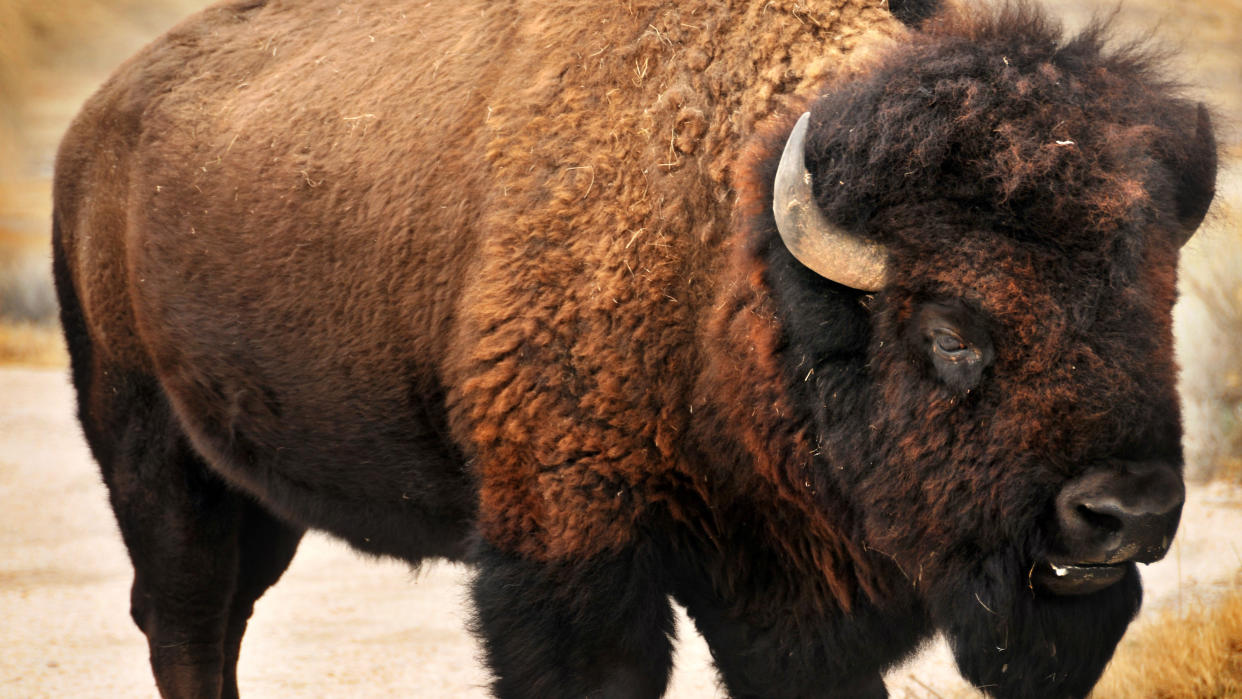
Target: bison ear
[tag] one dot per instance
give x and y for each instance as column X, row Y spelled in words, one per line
column 1195, row 172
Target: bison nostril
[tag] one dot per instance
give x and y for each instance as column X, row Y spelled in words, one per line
column 1109, row 515
column 1099, row 520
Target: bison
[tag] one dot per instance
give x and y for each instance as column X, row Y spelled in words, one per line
column 840, row 328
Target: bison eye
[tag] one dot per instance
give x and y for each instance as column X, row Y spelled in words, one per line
column 954, row 342
column 950, row 345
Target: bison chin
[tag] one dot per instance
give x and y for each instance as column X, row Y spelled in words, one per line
column 1013, row 640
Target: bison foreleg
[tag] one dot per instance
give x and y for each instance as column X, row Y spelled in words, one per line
column 600, row 627
column 803, row 653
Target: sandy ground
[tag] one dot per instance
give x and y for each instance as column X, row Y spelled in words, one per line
column 337, row 624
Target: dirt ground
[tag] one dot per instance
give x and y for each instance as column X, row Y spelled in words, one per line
column 338, row 624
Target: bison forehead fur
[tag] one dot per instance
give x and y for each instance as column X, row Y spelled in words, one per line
column 501, row 282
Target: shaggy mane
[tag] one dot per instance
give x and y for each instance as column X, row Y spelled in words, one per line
column 998, row 119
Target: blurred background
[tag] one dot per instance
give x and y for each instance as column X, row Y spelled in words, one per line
column 54, row 53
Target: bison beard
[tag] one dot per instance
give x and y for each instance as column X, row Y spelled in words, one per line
column 1013, row 640
column 531, row 308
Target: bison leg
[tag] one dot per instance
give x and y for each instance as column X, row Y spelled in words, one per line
column 592, row 628
column 201, row 552
column 784, row 660
column 267, row 548
column 180, row 524
column 787, row 651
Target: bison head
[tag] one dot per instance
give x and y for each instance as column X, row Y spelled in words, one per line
column 991, row 221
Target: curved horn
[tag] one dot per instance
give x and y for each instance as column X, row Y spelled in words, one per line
column 826, row 249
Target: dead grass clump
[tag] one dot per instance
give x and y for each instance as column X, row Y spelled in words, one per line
column 33, row 344
column 1195, row 655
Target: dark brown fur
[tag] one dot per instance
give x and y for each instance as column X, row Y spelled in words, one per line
column 509, row 289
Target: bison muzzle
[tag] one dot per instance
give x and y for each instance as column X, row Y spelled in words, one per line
column 840, row 328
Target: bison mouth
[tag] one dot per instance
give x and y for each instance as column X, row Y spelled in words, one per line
column 1076, row 578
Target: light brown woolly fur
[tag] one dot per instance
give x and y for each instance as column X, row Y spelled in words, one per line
column 612, row 198
column 578, row 193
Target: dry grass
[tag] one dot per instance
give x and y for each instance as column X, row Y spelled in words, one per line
column 1190, row 655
